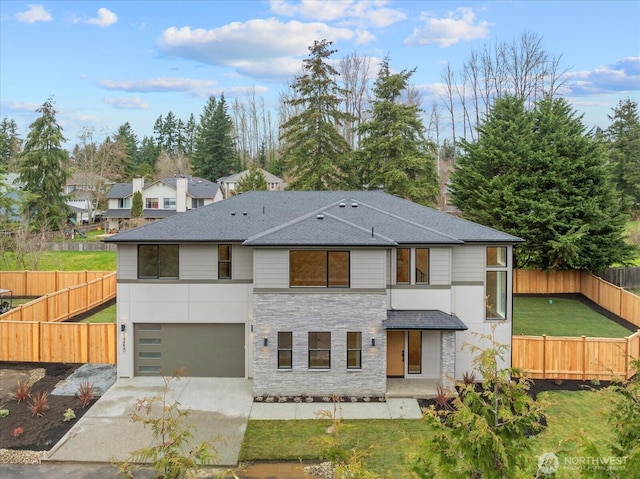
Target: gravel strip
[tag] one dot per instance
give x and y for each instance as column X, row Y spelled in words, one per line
column 16, row 456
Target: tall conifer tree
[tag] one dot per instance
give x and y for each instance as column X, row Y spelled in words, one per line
column 538, row 175
column 43, row 170
column 316, row 156
column 394, row 153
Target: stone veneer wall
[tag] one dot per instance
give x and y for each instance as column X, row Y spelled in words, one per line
column 448, row 358
column 305, row 312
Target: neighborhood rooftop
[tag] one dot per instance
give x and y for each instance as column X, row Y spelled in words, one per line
column 356, row 218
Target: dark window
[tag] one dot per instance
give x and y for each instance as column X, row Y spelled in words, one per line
column 422, row 265
column 285, row 349
column 197, row 202
column 403, row 263
column 320, row 350
column 496, row 283
column 224, row 261
column 169, row 203
column 415, row 352
column 158, row 261
column 354, row 350
column 319, row 268
column 151, row 203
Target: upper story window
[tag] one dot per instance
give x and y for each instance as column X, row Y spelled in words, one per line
column 422, row 265
column 224, row 261
column 158, row 261
column 319, row 268
column 124, row 203
column 197, row 202
column 169, row 203
column 151, row 203
column 403, row 265
column 496, row 283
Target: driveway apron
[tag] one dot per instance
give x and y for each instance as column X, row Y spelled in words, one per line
column 219, row 411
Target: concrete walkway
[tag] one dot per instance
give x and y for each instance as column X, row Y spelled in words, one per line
column 106, row 433
column 218, row 406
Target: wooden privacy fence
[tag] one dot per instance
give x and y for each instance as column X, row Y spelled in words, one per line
column 67, row 302
column 39, row 283
column 612, row 298
column 58, row 342
column 560, row 357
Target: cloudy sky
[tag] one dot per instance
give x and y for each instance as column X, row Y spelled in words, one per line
column 109, row 62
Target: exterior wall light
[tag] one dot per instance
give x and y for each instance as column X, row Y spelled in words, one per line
column 266, row 341
column 373, row 342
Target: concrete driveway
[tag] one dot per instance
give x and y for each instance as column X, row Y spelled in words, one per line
column 219, row 407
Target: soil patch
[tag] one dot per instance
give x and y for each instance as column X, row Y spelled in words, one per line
column 21, row 429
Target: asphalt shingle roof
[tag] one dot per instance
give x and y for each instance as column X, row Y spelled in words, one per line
column 259, row 218
column 423, row 319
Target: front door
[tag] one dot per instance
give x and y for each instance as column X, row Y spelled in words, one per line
column 395, row 354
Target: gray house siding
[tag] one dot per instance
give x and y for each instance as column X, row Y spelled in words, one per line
column 127, row 261
column 337, row 313
column 368, row 268
column 241, row 263
column 440, row 266
column 271, row 268
column 468, row 264
column 198, row 262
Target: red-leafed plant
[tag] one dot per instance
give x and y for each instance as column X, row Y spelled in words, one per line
column 17, row 432
column 23, row 391
column 39, row 403
column 86, row 393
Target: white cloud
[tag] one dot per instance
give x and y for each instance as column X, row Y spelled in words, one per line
column 20, row 106
column 362, row 12
column 164, row 84
column 254, row 46
column 456, row 26
column 621, row 76
column 104, row 19
column 35, row 13
column 126, row 103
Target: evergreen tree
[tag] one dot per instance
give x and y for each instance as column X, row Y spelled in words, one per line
column 537, row 175
column 253, row 181
column 190, row 129
column 214, row 153
column 10, row 142
column 127, row 137
column 148, row 154
column 316, row 156
column 394, row 153
column 136, row 205
column 43, row 170
column 623, row 137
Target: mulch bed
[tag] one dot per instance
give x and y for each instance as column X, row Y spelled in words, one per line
column 40, row 433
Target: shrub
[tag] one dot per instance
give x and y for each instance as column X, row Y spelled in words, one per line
column 172, row 432
column 86, row 393
column 39, row 403
column 442, row 398
column 23, row 391
column 469, row 378
column 69, row 415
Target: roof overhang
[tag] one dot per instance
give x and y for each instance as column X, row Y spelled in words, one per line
column 429, row 319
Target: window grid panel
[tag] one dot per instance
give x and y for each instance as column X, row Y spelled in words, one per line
column 319, row 350
column 354, row 350
column 285, row 350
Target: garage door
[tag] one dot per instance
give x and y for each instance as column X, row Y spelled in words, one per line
column 204, row 350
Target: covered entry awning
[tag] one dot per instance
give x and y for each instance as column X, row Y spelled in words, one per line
column 431, row 319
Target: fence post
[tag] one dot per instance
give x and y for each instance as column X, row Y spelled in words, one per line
column 544, row 356
column 584, row 357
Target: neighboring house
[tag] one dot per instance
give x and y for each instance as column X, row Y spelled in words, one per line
column 313, row 293
column 84, row 191
column 230, row 183
column 11, row 189
column 160, row 199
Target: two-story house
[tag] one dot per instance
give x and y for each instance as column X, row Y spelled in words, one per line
column 160, row 199
column 229, row 184
column 311, row 292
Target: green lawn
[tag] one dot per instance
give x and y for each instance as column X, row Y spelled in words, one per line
column 67, row 261
column 391, row 445
column 106, row 315
column 536, row 316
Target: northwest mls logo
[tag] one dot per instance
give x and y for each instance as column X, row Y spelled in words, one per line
column 548, row 463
